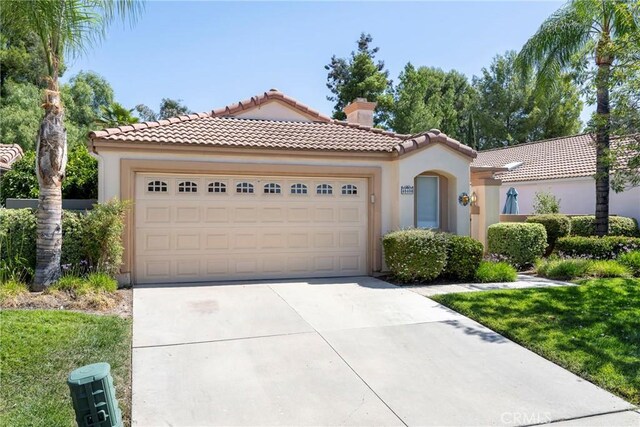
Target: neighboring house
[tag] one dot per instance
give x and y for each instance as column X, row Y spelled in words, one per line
column 269, row 188
column 9, row 154
column 564, row 167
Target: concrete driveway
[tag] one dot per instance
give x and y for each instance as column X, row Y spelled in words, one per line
column 352, row 351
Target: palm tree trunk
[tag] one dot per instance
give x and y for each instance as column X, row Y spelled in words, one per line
column 50, row 167
column 603, row 122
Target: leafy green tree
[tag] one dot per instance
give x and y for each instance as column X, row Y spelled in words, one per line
column 62, row 27
column 597, row 30
column 21, row 57
column 509, row 111
column 168, row 108
column 81, row 180
column 172, row 108
column 114, row 115
column 89, row 93
column 20, row 114
column 427, row 98
column 360, row 76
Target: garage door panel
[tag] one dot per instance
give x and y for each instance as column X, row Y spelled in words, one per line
column 204, row 236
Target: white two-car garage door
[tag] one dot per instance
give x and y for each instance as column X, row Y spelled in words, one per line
column 191, row 228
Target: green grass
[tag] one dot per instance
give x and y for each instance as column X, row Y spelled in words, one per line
column 631, row 260
column 39, row 348
column 94, row 282
column 592, row 330
column 12, row 288
column 493, row 272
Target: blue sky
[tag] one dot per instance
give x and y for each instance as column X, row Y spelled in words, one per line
column 210, row 54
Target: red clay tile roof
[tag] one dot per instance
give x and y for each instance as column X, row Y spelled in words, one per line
column 565, row 157
column 9, row 154
column 220, row 128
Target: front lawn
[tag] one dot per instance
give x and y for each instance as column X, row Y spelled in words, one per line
column 38, row 348
column 592, row 330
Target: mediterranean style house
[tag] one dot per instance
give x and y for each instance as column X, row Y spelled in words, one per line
column 563, row 167
column 269, row 188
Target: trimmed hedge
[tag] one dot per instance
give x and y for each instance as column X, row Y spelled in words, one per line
column 521, row 243
column 464, row 255
column 415, row 254
column 90, row 241
column 556, row 226
column 607, row 247
column 618, row 226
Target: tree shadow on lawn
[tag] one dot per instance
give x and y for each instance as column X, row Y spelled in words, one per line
column 592, row 329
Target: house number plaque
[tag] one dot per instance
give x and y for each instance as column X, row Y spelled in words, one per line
column 406, row 189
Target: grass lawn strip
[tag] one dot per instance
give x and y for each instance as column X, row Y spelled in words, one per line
column 593, row 330
column 38, row 349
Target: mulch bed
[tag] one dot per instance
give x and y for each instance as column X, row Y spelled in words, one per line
column 118, row 303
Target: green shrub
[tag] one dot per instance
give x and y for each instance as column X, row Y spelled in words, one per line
column 102, row 236
column 563, row 269
column 415, row 255
column 545, row 203
column 631, row 260
column 492, row 272
column 73, row 251
column 90, row 241
column 607, row 247
column 618, row 226
column 607, row 268
column 81, row 178
column 102, row 282
column 464, row 255
column 17, row 244
column 520, row 243
column 556, row 226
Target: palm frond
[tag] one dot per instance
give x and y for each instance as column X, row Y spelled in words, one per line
column 561, row 36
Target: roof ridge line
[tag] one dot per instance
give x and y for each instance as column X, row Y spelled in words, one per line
column 146, row 125
column 370, row 129
column 272, row 94
column 537, row 142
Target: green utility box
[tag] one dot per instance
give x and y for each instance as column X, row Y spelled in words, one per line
column 94, row 397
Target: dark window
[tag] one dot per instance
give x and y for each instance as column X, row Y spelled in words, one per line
column 217, row 187
column 324, row 189
column 349, row 189
column 187, row 187
column 272, row 188
column 244, row 187
column 157, row 187
column 298, row 189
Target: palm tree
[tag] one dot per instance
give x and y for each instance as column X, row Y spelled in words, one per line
column 62, row 27
column 115, row 114
column 595, row 29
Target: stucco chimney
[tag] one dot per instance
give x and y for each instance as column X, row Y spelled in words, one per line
column 360, row 111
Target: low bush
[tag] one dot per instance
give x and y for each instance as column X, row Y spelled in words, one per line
column 90, row 241
column 17, row 244
column 102, row 282
column 464, row 255
column 415, row 254
column 492, row 272
column 520, row 243
column 607, row 268
column 631, row 260
column 79, row 286
column 556, row 226
column 585, row 226
column 607, row 247
column 563, row 269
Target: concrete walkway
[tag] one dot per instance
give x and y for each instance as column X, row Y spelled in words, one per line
column 523, row 281
column 354, row 351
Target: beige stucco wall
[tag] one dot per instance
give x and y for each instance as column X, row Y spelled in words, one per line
column 577, row 196
column 441, row 160
column 397, row 211
column 273, row 111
